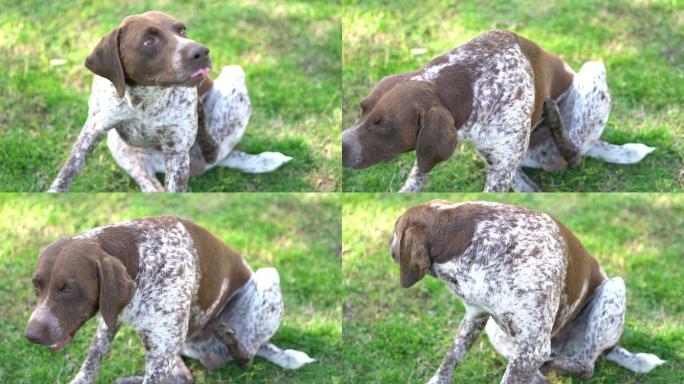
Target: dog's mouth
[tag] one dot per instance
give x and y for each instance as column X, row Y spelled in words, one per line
column 200, row 73
column 67, row 339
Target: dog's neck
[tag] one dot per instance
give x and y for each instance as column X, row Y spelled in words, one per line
column 142, row 97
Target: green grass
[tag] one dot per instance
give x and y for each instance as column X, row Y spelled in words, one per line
column 297, row 234
column 396, row 335
column 640, row 43
column 290, row 51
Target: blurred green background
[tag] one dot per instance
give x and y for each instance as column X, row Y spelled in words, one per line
column 290, row 51
column 297, row 234
column 396, row 335
column 639, row 41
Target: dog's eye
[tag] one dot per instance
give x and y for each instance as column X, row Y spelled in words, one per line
column 182, row 32
column 64, row 289
column 149, row 42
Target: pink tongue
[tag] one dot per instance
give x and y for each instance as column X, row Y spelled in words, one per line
column 200, row 73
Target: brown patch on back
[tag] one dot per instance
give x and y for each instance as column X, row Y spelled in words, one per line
column 217, row 262
column 121, row 242
column 582, row 267
column 550, row 77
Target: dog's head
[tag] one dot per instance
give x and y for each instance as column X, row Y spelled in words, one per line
column 73, row 280
column 400, row 115
column 149, row 49
column 433, row 232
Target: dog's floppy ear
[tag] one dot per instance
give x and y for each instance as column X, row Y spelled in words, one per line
column 414, row 259
column 436, row 138
column 105, row 61
column 116, row 289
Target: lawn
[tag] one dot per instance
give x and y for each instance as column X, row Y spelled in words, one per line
column 297, row 234
column 396, row 335
column 640, row 43
column 290, row 51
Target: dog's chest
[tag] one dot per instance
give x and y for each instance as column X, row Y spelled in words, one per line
column 148, row 116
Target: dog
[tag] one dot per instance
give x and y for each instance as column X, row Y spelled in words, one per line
column 182, row 289
column 161, row 112
column 544, row 301
column 491, row 91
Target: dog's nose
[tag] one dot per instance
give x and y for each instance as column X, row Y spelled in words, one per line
column 199, row 52
column 34, row 333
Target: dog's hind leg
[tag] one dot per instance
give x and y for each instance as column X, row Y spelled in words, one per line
column 251, row 317
column 566, row 147
column 237, row 349
column 227, row 110
column 594, row 331
column 208, row 349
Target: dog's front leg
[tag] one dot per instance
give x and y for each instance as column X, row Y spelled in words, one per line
column 415, row 181
column 472, row 324
column 177, row 171
column 531, row 351
column 162, row 361
column 98, row 348
column 176, row 141
column 92, row 133
column 499, row 178
column 523, row 183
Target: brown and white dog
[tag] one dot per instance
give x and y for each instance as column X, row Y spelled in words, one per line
column 544, row 300
column 181, row 288
column 492, row 91
column 152, row 95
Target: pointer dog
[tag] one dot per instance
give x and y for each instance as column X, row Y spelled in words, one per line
column 182, row 289
column 545, row 302
column 499, row 91
column 161, row 112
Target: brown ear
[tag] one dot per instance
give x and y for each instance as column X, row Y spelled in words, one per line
column 105, row 61
column 436, row 138
column 414, row 259
column 116, row 289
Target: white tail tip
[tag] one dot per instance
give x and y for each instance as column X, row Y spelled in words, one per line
column 637, row 362
column 288, row 358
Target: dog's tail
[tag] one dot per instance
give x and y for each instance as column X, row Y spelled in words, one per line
column 288, row 358
column 636, row 362
column 619, row 154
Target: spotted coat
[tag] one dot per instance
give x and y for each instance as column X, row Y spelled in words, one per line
column 545, row 303
column 166, row 314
